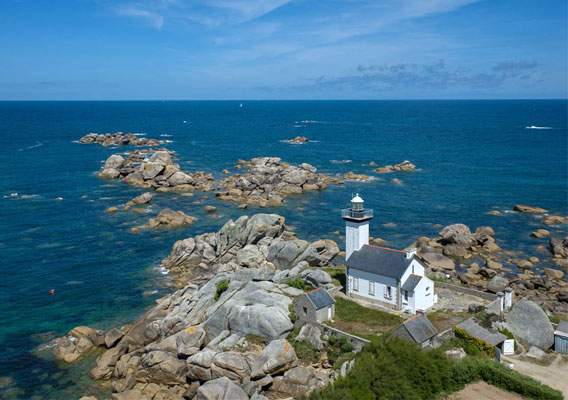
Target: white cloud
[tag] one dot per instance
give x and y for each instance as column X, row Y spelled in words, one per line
column 153, row 18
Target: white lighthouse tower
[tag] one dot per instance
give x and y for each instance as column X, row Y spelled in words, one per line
column 356, row 225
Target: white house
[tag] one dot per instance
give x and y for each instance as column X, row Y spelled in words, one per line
column 393, row 278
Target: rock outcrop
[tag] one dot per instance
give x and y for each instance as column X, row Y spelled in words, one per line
column 154, row 169
column 529, row 209
column 168, row 218
column 119, row 139
column 268, row 180
column 405, row 166
column 298, row 140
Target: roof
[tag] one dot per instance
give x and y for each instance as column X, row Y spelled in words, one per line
column 320, row 297
column 380, row 261
column 562, row 329
column 420, row 328
column 357, row 199
column 411, row 282
column 473, row 327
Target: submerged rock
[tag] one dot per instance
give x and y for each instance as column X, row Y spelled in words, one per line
column 529, row 209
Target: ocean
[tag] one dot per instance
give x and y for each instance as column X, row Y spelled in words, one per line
column 472, row 157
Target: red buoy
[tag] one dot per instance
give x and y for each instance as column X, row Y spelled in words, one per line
column 52, row 292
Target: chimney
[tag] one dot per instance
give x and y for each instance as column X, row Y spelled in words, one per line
column 410, row 253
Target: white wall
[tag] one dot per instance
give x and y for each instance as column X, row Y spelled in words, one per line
column 413, row 268
column 381, row 282
column 356, row 235
column 423, row 301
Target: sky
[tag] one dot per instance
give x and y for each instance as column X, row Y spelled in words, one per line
column 282, row 49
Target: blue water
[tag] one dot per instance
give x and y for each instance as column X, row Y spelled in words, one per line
column 473, row 156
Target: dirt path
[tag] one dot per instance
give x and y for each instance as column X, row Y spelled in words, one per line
column 554, row 375
column 481, row 390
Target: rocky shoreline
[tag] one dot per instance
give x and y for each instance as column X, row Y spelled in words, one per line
column 200, row 340
column 489, row 267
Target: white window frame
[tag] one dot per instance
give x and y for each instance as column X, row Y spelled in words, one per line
column 388, row 292
column 371, row 288
column 355, row 284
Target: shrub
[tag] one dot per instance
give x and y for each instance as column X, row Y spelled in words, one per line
column 473, row 345
column 292, row 314
column 222, row 286
column 306, row 351
column 299, row 283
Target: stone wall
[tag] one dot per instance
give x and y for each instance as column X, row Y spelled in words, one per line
column 357, row 342
column 461, row 289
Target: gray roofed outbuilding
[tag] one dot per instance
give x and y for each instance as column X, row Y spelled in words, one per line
column 418, row 329
column 474, row 328
column 321, row 298
column 411, row 283
column 380, row 261
column 562, row 329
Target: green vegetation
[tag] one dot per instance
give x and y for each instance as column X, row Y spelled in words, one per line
column 446, row 319
column 555, row 319
column 509, row 335
column 221, row 287
column 292, row 314
column 338, row 350
column 299, row 283
column 256, row 339
column 337, row 275
column 472, row 345
column 354, row 318
column 392, row 368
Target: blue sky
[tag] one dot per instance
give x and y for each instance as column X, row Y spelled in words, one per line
column 282, row 49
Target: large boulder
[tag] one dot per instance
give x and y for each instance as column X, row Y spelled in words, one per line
column 180, row 178
column 457, row 234
column 312, row 334
column 439, row 261
column 255, row 309
column 279, row 356
column 162, row 157
column 151, row 170
column 319, row 278
column 221, row 389
column 171, row 219
column 161, row 367
column 528, row 322
column 558, row 247
column 285, row 254
column 250, row 256
column 115, row 161
column 497, row 284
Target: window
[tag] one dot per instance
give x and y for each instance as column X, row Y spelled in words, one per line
column 406, row 295
column 371, row 288
column 355, row 284
column 427, row 290
column 305, row 310
column 388, row 294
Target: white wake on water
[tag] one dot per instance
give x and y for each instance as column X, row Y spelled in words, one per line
column 38, row 144
column 538, row 127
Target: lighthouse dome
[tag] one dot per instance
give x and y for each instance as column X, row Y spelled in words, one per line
column 357, row 203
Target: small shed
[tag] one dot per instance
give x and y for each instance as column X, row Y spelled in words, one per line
column 488, row 335
column 561, row 337
column 418, row 329
column 315, row 306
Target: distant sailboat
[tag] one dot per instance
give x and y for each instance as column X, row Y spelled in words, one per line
column 241, row 105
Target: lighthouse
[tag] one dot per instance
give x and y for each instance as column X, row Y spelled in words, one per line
column 356, row 225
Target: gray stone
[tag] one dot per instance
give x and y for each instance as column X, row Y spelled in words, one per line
column 312, row 334
column 458, row 234
column 497, row 284
column 284, row 254
column 535, row 352
column 529, row 323
column 439, row 261
column 151, row 170
column 134, row 394
column 112, row 337
column 161, row 367
column 279, row 356
column 161, row 157
column 250, row 256
column 115, row 161
column 189, row 341
column 109, row 173
column 180, row 178
column 455, row 250
column 456, row 354
column 319, row 278
column 220, row 389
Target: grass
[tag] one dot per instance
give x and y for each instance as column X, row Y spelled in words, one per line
column 555, row 319
column 446, row 319
column 337, row 275
column 352, row 317
column 222, row 286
